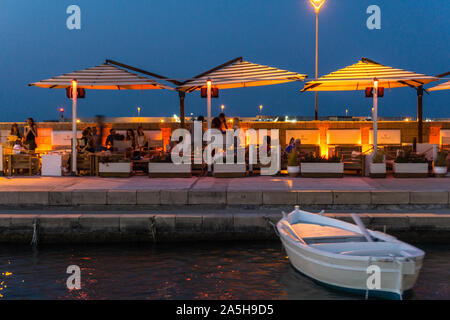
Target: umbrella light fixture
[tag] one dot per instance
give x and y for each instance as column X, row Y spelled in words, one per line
column 102, row 77
column 372, row 76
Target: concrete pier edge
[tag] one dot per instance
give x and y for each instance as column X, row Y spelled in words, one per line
column 69, row 227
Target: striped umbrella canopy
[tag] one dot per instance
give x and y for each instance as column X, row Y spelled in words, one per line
column 102, row 77
column 362, row 74
column 442, row 86
column 238, row 73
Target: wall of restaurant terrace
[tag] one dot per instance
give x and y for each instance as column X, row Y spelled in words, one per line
column 321, row 133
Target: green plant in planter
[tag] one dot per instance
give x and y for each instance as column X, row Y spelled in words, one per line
column 161, row 158
column 311, row 158
column 293, row 159
column 411, row 157
column 441, row 160
column 378, row 157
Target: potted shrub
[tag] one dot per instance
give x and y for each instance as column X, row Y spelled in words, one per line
column 411, row 165
column 377, row 167
column 321, row 167
column 440, row 164
column 161, row 166
column 293, row 167
column 114, row 166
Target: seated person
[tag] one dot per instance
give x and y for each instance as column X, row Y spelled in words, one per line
column 131, row 137
column 15, row 137
column 86, row 142
column 141, row 139
column 109, row 144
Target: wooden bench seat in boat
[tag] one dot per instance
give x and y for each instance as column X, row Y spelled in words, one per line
column 312, row 233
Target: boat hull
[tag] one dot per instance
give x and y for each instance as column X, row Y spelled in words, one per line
column 351, row 276
column 385, row 268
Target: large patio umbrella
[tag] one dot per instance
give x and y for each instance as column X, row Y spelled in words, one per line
column 237, row 73
column 369, row 74
column 442, row 86
column 102, row 77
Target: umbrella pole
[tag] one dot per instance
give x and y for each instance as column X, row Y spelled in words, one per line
column 375, row 116
column 420, row 114
column 74, row 128
column 208, row 102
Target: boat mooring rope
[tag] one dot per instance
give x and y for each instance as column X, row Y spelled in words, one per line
column 34, row 239
column 152, row 228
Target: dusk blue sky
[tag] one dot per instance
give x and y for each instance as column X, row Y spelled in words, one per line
column 182, row 38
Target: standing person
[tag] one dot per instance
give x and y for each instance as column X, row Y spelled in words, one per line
column 290, row 147
column 30, row 134
column 223, row 122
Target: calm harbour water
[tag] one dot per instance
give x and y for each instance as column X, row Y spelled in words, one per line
column 188, row 271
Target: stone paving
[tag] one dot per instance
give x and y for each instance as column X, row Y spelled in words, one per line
column 251, row 191
column 258, row 183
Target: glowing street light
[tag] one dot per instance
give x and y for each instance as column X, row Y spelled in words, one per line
column 139, row 112
column 260, row 109
column 222, row 107
column 317, row 5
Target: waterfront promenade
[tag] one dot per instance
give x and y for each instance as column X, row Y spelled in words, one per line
column 250, row 191
column 139, row 209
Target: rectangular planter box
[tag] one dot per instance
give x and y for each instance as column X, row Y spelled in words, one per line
column 223, row 170
column 322, row 170
column 411, row 170
column 169, row 170
column 51, row 165
column 114, row 169
column 377, row 170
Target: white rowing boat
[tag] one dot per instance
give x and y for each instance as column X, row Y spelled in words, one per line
column 349, row 257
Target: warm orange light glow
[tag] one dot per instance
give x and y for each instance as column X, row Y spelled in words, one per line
column 61, row 110
column 74, row 83
column 78, row 121
column 317, row 4
column 162, row 120
column 209, row 83
column 222, row 107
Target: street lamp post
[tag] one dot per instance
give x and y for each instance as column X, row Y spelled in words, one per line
column 208, row 103
column 317, row 5
column 74, row 126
